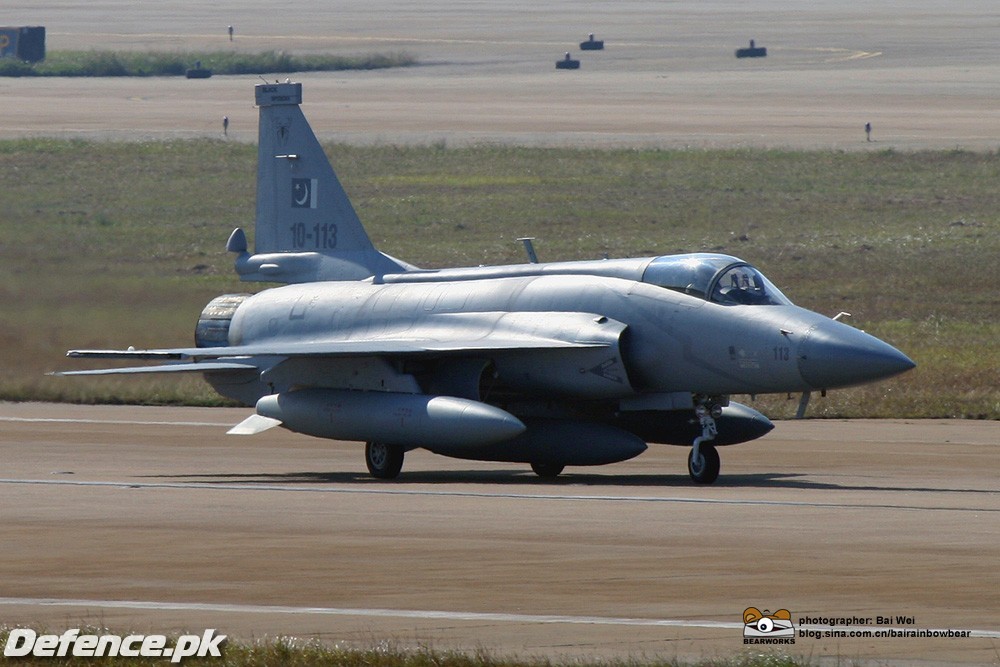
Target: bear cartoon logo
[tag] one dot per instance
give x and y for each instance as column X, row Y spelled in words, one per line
column 757, row 623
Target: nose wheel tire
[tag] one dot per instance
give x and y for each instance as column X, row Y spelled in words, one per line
column 384, row 460
column 547, row 470
column 704, row 469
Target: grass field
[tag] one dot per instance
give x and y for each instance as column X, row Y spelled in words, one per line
column 117, row 244
column 146, row 63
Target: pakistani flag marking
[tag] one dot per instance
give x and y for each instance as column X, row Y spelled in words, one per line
column 304, row 193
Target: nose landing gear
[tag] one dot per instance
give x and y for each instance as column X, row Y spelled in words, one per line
column 704, row 463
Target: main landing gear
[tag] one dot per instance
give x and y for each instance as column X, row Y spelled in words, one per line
column 384, row 460
column 704, row 463
column 547, row 470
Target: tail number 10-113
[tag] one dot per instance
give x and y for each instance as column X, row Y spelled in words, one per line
column 319, row 236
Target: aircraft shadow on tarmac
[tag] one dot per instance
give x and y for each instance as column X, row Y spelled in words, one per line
column 509, row 477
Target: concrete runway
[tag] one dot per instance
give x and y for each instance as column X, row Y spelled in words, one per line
column 152, row 519
column 925, row 75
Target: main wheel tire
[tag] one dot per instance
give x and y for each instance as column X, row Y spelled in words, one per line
column 547, row 470
column 706, row 469
column 384, row 461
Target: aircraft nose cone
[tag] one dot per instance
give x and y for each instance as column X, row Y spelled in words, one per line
column 837, row 355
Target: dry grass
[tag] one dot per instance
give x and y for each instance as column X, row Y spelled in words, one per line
column 145, row 63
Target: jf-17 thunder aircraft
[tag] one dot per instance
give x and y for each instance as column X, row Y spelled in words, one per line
column 556, row 364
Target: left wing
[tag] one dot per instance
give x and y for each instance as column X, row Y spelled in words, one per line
column 202, row 367
column 445, row 333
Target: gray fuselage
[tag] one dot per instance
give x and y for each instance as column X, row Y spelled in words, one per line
column 672, row 342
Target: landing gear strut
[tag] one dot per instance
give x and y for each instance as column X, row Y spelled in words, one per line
column 704, row 463
column 384, row 460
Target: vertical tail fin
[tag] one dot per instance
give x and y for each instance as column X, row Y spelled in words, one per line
column 306, row 228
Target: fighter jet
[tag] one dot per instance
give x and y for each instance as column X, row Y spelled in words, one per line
column 558, row 364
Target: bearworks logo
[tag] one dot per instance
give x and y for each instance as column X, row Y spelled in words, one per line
column 763, row 627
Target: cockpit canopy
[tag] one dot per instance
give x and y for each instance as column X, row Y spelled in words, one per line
column 718, row 278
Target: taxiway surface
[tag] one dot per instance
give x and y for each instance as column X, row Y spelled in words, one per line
column 925, row 75
column 152, row 519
